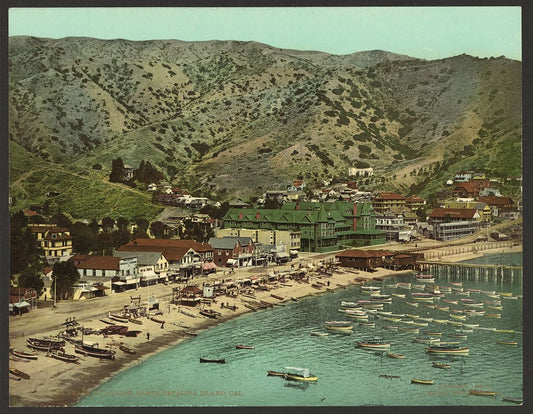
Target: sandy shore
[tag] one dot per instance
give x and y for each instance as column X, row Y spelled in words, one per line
column 56, row 383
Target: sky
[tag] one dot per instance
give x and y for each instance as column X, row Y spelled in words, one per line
column 421, row 32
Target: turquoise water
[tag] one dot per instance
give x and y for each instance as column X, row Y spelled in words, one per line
column 346, row 376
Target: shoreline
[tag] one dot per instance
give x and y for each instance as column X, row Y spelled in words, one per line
column 55, row 383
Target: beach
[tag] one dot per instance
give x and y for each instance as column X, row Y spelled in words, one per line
column 57, row 383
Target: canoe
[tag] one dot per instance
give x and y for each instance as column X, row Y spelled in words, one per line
column 421, row 381
column 22, row 354
column 519, row 401
column 19, row 373
column 508, row 342
column 503, row 330
column 398, row 356
column 315, row 333
column 484, row 393
column 441, row 365
column 216, row 361
column 244, row 346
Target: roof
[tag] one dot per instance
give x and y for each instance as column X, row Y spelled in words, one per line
column 36, row 228
column 364, row 254
column 172, row 254
column 228, row 243
column 190, row 244
column 191, row 289
column 459, row 213
column 389, row 196
column 99, row 262
column 496, row 201
column 143, row 258
column 414, row 198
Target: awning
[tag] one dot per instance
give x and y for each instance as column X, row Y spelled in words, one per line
column 148, row 277
column 22, row 304
column 231, row 262
column 101, row 287
column 209, row 266
column 119, row 283
column 293, row 252
column 282, row 255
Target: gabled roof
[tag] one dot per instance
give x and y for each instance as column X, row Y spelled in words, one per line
column 389, row 196
column 229, row 243
column 364, row 254
column 143, row 258
column 191, row 244
column 496, row 201
column 99, row 263
column 458, row 213
column 414, row 198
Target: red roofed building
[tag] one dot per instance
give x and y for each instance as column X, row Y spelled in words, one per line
column 415, row 203
column 453, row 223
column 470, row 189
column 185, row 257
column 498, row 203
column 387, row 201
column 55, row 241
column 122, row 271
column 364, row 259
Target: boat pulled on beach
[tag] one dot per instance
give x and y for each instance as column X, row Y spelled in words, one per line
column 22, row 354
column 45, row 344
column 62, row 356
column 94, row 351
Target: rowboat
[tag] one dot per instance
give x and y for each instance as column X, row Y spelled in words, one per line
column 390, row 328
column 22, row 354
column 470, row 325
column 508, row 342
column 503, row 330
column 62, row 356
column 375, row 343
column 457, row 316
column 117, row 318
column 215, row 361
column 463, row 330
column 157, row 320
column 456, row 283
column 442, row 321
column 126, row 349
column 425, row 277
column 210, row 313
column 136, row 321
column 519, row 401
column 19, row 373
column 404, row 285
column 94, row 351
column 426, row 340
column 502, row 294
column 421, row 381
column 392, row 319
column 114, row 330
column 426, row 319
column 368, row 324
column 315, row 333
column 190, row 333
column 350, row 305
column 483, row 393
column 244, row 346
column 399, row 295
column 442, row 308
column 339, row 325
column 441, row 365
column 454, row 323
column 495, row 307
column 275, row 373
column 106, row 321
column 493, row 315
column 412, row 304
column 397, row 356
column 448, row 343
column 45, row 344
column 474, row 290
column 369, row 288
column 299, row 374
column 448, row 350
column 510, row 297
column 433, row 333
column 453, row 302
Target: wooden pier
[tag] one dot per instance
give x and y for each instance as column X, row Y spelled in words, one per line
column 471, row 270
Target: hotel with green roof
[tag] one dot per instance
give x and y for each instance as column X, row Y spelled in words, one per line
column 325, row 227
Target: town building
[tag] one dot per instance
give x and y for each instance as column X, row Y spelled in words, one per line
column 384, row 202
column 122, row 271
column 324, row 226
column 470, row 189
column 55, row 241
column 485, row 213
column 394, row 227
column 291, row 239
column 453, row 223
column 498, row 205
column 152, row 266
column 370, row 259
column 415, row 203
column 233, row 251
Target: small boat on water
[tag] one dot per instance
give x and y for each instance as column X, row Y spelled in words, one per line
column 452, row 302
column 316, row 333
column 399, row 295
column 22, row 354
column 448, row 350
column 376, row 343
column 507, row 342
column 339, row 325
column 433, row 333
column 275, row 373
column 441, row 365
column 421, row 381
column 412, row 330
column 412, row 304
column 503, row 330
column 493, row 315
column 396, row 356
column 460, row 336
column 244, row 346
column 514, row 400
column 62, row 356
column 367, row 324
column 18, row 373
column 426, row 340
column 390, row 328
column 483, row 393
column 215, row 361
column 350, row 305
column 453, row 316
column 299, row 374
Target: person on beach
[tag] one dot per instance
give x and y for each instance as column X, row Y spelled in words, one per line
column 162, row 325
column 148, row 336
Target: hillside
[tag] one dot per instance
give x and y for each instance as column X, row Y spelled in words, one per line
column 232, row 118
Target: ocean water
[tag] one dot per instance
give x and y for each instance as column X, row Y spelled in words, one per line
column 346, row 376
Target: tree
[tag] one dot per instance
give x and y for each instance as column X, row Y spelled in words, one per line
column 123, row 223
column 31, row 278
column 24, row 249
column 272, row 203
column 84, row 238
column 64, row 275
column 108, row 223
column 142, row 224
column 117, row 171
column 61, row 220
column 158, row 229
